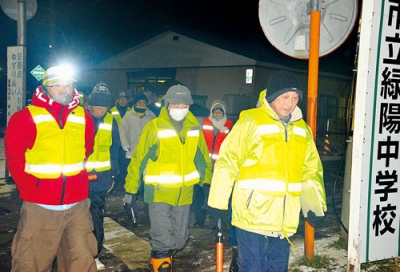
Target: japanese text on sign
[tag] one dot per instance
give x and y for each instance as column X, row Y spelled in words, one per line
column 15, row 79
column 384, row 196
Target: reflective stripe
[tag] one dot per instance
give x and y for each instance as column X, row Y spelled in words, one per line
column 268, row 129
column 166, row 133
column 166, row 179
column 294, row 187
column 269, row 185
column 48, row 118
column 76, row 119
column 96, row 165
column 193, row 133
column 207, row 127
column 191, row 176
column 105, row 126
column 53, row 168
column 42, row 118
column 115, row 112
column 299, row 131
column 172, row 179
column 261, row 184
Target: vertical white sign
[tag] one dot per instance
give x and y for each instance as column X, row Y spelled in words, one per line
column 16, row 79
column 375, row 194
column 249, row 76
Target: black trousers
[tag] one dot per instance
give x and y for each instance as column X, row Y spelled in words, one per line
column 198, row 200
column 98, row 201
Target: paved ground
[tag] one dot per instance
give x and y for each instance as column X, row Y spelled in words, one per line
column 127, row 246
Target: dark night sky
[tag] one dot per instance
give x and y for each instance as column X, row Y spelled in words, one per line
column 87, row 31
column 99, row 28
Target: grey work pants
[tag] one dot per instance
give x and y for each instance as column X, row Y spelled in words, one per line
column 44, row 234
column 169, row 226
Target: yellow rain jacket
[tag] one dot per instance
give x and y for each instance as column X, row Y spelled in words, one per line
column 171, row 162
column 265, row 163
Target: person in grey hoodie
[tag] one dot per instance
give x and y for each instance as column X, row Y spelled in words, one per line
column 130, row 129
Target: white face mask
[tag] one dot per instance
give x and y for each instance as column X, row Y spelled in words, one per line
column 178, row 114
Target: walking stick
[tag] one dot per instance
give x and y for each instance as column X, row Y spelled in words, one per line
column 219, row 249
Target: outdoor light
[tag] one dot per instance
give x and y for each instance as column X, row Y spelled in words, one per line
column 249, row 76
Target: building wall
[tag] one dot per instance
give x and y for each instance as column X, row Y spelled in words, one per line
column 215, row 82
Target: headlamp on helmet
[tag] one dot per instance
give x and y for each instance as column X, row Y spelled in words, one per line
column 58, row 73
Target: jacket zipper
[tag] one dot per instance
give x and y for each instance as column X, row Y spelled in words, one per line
column 64, row 178
column 284, row 198
column 213, row 145
column 249, row 199
column 63, row 190
column 182, row 162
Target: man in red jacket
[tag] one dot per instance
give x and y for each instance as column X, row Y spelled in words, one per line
column 46, row 146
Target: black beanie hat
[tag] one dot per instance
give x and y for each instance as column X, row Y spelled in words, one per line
column 100, row 96
column 139, row 97
column 280, row 83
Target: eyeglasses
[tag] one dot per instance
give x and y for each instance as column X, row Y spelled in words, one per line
column 60, row 87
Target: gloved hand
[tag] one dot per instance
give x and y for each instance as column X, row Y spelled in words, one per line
column 206, row 191
column 129, row 202
column 313, row 219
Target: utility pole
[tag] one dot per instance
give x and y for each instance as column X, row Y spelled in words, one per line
column 16, row 56
column 313, row 66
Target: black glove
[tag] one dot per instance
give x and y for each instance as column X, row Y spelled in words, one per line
column 206, row 191
column 313, row 219
column 129, row 202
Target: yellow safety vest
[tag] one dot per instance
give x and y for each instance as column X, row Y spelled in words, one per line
column 175, row 164
column 265, row 173
column 100, row 159
column 56, row 151
column 115, row 113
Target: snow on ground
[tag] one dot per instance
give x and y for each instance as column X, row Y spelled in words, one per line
column 323, row 247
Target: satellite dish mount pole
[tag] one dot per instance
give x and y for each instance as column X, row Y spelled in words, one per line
column 21, row 22
column 313, row 64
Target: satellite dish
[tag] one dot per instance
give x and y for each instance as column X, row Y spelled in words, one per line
column 286, row 24
column 10, row 8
